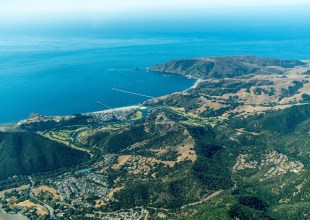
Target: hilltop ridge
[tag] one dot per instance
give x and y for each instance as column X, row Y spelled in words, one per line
column 226, row 66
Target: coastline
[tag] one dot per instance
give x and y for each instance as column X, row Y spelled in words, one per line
column 198, row 81
column 175, row 73
column 13, row 126
column 112, row 110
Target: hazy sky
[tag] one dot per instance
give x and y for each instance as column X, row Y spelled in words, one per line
column 34, row 7
column 22, row 13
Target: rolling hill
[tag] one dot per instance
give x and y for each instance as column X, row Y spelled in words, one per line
column 25, row 153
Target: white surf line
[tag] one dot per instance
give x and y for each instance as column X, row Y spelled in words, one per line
column 133, row 93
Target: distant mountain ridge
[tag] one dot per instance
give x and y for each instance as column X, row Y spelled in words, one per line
column 225, row 67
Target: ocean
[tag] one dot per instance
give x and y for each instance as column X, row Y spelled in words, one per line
column 68, row 73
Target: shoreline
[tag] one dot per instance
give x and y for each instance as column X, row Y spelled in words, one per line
column 12, row 126
column 198, row 81
column 112, row 110
column 174, row 73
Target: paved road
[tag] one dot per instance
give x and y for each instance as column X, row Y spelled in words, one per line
column 204, row 200
column 49, row 208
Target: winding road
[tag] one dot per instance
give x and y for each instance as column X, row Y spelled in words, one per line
column 49, row 208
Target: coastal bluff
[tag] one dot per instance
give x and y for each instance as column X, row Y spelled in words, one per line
column 225, row 67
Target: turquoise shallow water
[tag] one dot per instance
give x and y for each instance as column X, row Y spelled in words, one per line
column 68, row 74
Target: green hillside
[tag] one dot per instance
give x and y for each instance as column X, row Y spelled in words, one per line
column 26, row 153
column 248, row 165
column 284, row 121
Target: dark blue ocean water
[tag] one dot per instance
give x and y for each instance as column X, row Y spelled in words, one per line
column 66, row 74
